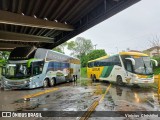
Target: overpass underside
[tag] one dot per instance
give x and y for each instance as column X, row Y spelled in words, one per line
column 48, row 23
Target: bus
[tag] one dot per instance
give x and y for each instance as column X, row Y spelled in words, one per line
column 30, row 67
column 125, row 67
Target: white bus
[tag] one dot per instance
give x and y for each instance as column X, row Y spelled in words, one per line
column 125, row 67
column 29, row 67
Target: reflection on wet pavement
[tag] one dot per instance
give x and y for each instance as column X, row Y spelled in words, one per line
column 128, row 98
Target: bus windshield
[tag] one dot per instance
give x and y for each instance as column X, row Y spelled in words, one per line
column 16, row 71
column 143, row 65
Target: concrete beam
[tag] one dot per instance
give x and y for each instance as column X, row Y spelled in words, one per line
column 22, row 20
column 11, row 36
column 9, row 46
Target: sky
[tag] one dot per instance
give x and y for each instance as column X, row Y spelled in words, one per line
column 131, row 28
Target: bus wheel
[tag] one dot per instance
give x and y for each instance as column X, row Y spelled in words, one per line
column 119, row 80
column 52, row 82
column 45, row 83
column 91, row 77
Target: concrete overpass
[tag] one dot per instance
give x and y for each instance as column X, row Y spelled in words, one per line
column 48, row 23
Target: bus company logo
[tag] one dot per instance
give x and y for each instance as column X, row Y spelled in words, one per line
column 95, row 69
column 18, row 114
column 6, row 114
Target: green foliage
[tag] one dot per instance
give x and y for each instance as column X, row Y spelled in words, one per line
column 156, row 70
column 84, row 72
column 71, row 45
column 80, row 47
column 84, row 60
column 91, row 56
column 158, row 59
column 4, row 55
column 61, row 47
column 58, row 49
column 96, row 54
column 2, row 62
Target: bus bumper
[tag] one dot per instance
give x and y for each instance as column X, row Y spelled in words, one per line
column 143, row 80
column 16, row 85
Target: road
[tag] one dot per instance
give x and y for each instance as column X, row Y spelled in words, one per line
column 78, row 97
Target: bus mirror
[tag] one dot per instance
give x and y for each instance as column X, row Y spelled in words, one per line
column 132, row 60
column 155, row 61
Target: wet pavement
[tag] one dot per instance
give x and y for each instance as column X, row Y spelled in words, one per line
column 79, row 97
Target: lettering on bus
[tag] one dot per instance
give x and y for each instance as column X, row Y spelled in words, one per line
column 95, row 69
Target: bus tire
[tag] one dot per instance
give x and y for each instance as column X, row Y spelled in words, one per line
column 91, row 76
column 71, row 79
column 119, row 80
column 45, row 83
column 52, row 82
column 2, row 88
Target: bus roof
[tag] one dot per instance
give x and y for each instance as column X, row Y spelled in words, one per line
column 50, row 55
column 121, row 53
column 99, row 58
column 133, row 53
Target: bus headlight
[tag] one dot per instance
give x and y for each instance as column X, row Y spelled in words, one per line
column 27, row 81
column 136, row 81
column 135, row 76
column 6, row 82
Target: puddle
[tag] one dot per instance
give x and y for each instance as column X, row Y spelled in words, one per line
column 28, row 107
column 66, row 99
column 130, row 98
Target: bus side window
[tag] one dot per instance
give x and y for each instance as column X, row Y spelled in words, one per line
column 96, row 64
column 116, row 61
column 56, row 66
column 64, row 65
column 91, row 64
column 109, row 61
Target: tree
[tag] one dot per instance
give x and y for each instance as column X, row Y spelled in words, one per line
column 96, row 54
column 80, row 47
column 4, row 55
column 61, row 47
column 155, row 42
column 91, row 56
column 58, row 49
column 84, row 61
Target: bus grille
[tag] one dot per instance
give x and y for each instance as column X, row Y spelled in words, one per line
column 15, row 83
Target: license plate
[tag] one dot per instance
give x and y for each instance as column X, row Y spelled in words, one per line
column 14, row 87
column 146, row 81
